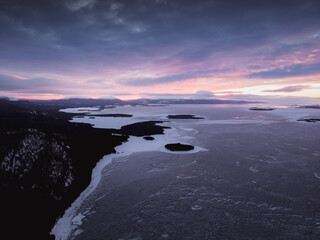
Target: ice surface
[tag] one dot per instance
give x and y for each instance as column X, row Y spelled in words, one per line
column 293, row 114
column 183, row 131
column 68, row 226
column 253, row 169
column 236, row 121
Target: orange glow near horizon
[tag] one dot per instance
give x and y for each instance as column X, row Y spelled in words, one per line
column 312, row 90
column 177, row 79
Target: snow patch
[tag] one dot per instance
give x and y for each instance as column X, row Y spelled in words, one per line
column 254, row 169
column 196, row 208
column 317, row 175
column 105, row 122
column 77, row 220
column 67, row 227
column 183, row 177
column 79, row 109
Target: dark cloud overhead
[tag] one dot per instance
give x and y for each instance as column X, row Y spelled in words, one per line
column 177, row 40
column 108, row 26
column 10, row 83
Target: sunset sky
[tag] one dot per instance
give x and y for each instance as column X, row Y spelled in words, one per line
column 159, row 48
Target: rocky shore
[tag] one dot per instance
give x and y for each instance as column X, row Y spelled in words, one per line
column 46, row 162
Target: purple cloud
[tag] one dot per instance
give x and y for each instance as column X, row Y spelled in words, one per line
column 296, row 88
column 295, row 70
column 33, row 85
column 171, row 78
column 196, row 95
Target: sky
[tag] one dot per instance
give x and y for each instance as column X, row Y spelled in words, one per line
column 52, row 49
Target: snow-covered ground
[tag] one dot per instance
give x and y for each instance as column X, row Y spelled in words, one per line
column 79, row 109
column 106, row 122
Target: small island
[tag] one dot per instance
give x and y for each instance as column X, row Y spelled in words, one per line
column 110, row 115
column 184, row 116
column 141, row 129
column 148, row 138
column 310, row 106
column 179, row 147
column 310, row 120
column 261, row 109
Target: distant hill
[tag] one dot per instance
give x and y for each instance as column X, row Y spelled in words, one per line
column 144, row 101
column 69, row 103
column 90, row 102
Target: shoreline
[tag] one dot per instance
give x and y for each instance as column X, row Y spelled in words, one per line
column 87, row 146
column 60, row 156
column 67, row 227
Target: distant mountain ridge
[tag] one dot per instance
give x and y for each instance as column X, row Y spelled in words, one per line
column 91, row 102
column 143, row 101
column 69, row 103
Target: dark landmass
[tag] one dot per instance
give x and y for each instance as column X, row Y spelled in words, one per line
column 46, row 162
column 261, row 109
column 110, row 115
column 148, row 138
column 179, row 147
column 310, row 106
column 87, row 110
column 111, row 103
column 183, row 117
column 141, row 129
column 69, row 103
column 311, row 120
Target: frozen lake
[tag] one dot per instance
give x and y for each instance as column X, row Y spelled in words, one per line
column 252, row 175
